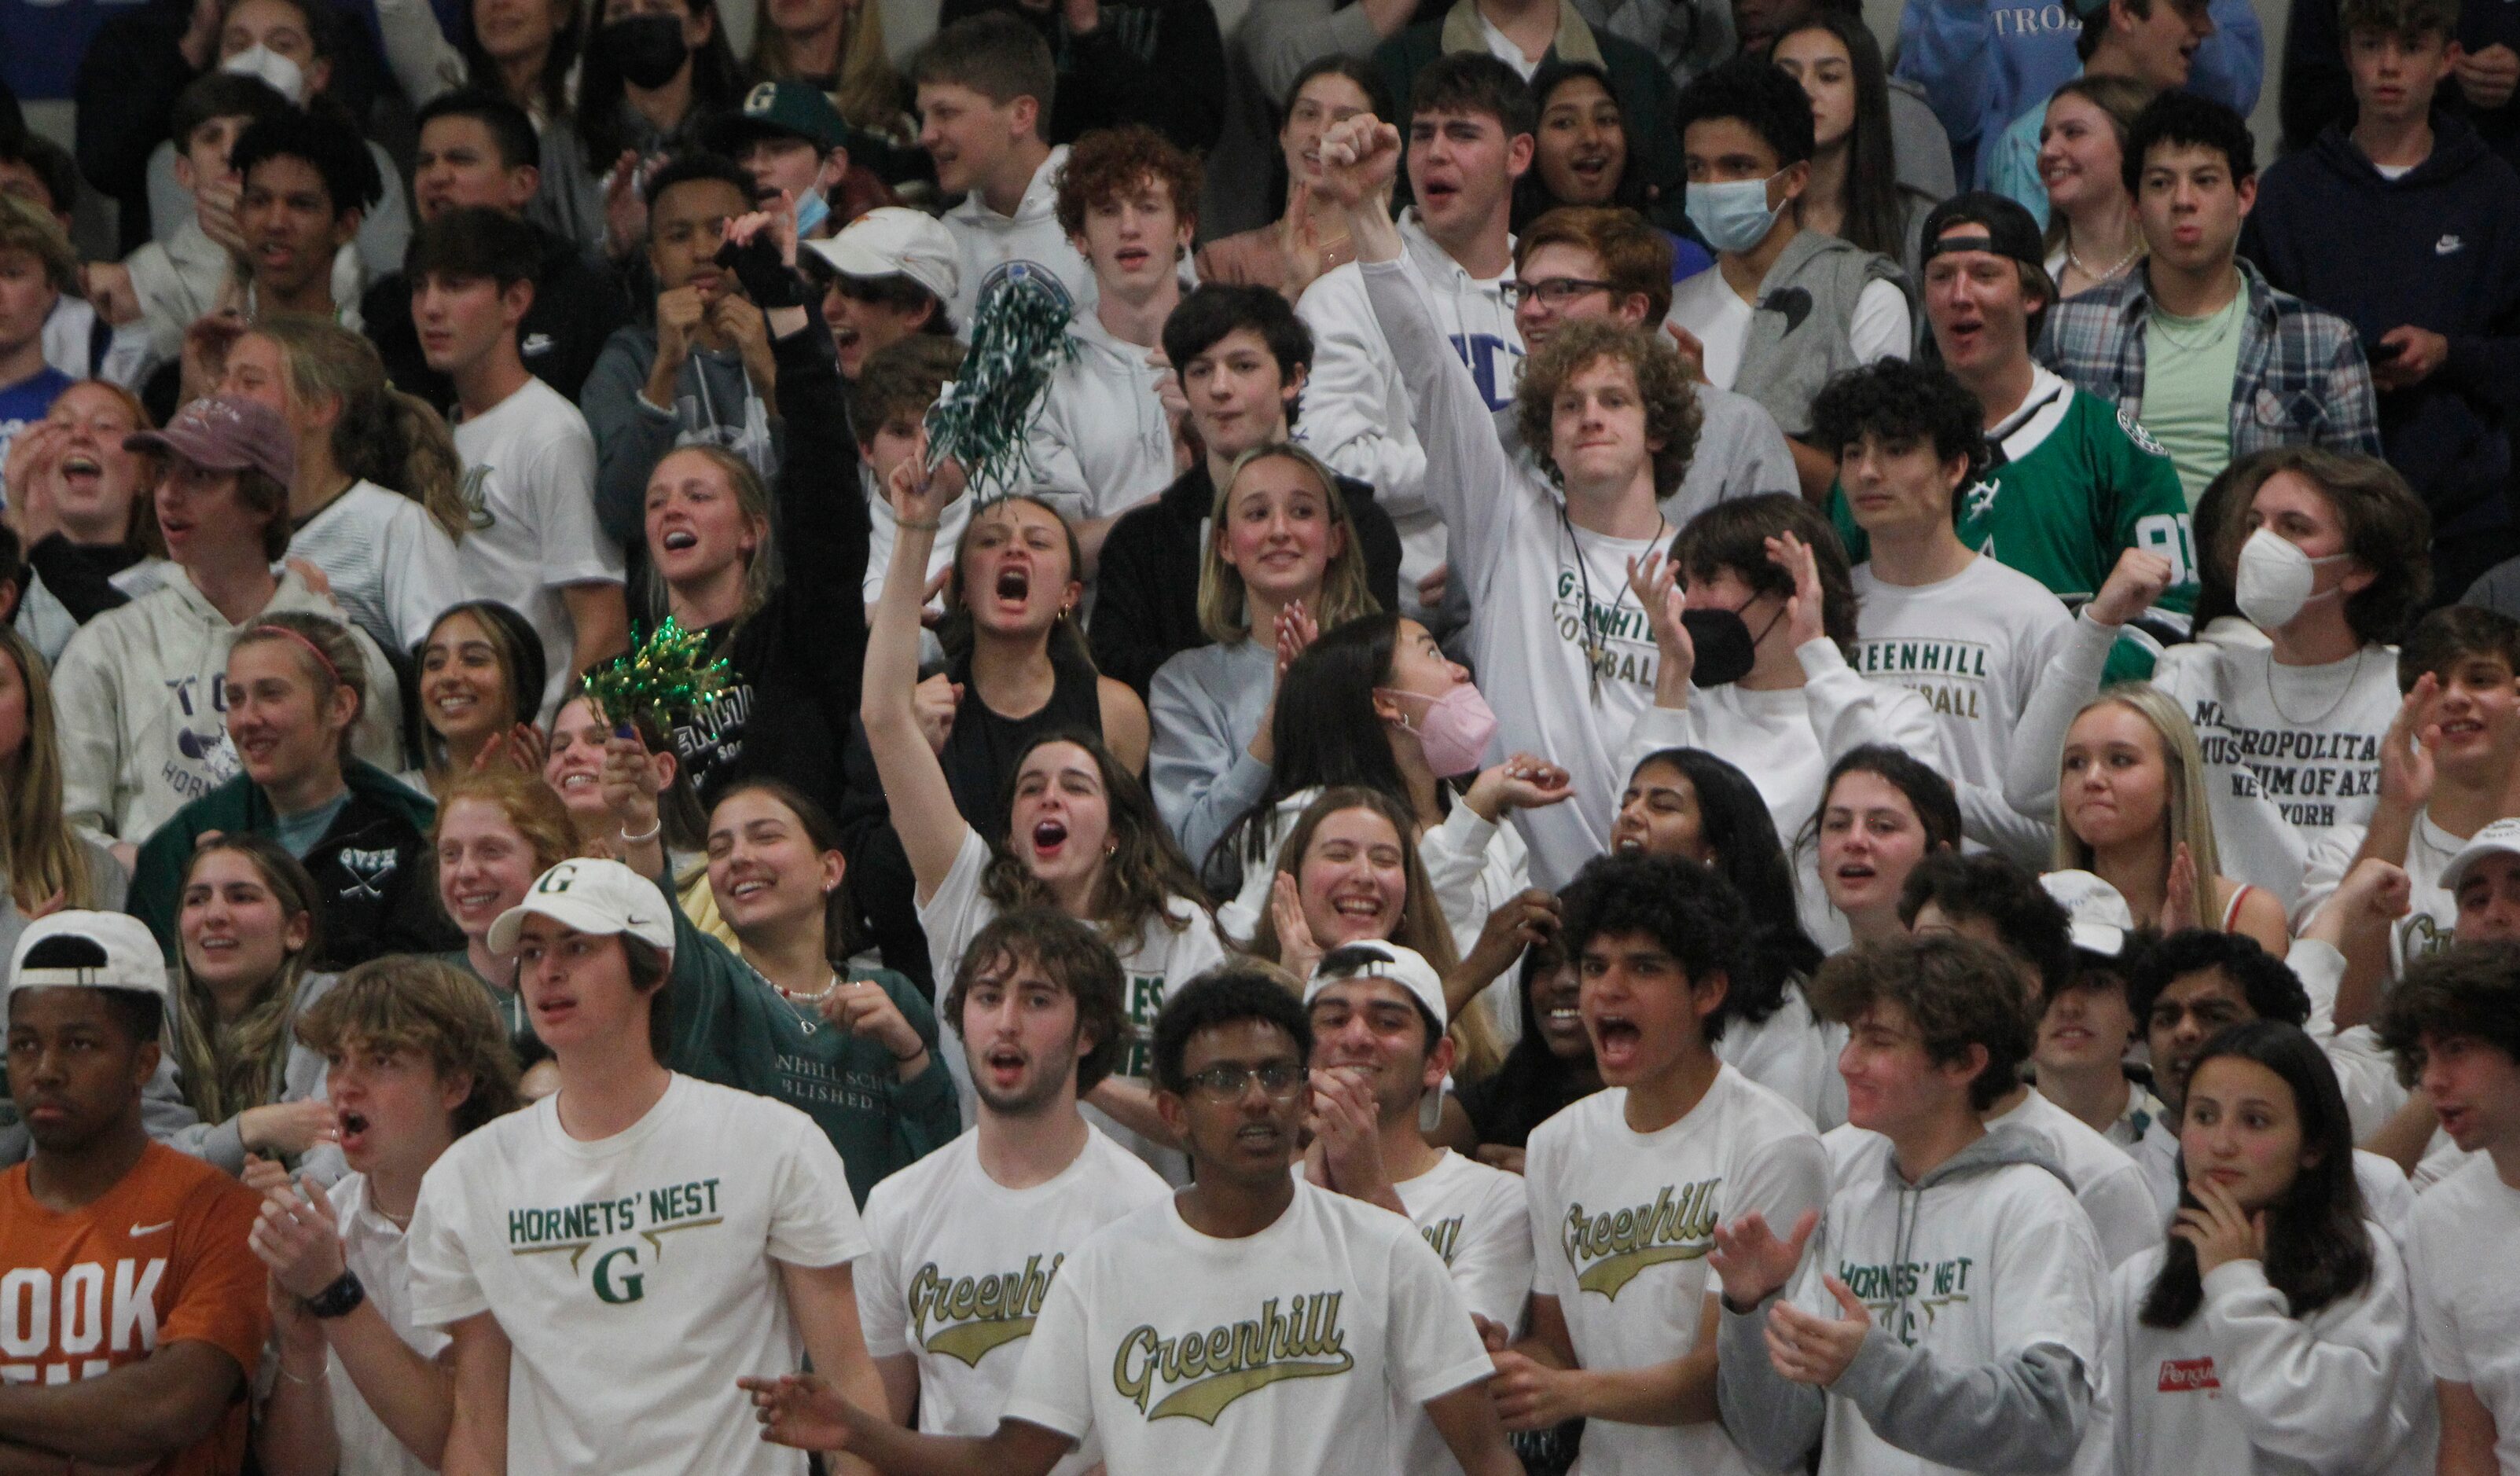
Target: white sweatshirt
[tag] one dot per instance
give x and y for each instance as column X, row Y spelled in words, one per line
column 142, row 696
column 2282, row 771
column 1784, row 741
column 1100, row 444
column 2432, row 913
column 1359, row 412
column 2107, row 1183
column 2245, row 1388
column 1030, row 238
column 2366, row 1071
column 1535, row 579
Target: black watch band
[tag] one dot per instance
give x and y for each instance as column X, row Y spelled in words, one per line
column 340, row 1298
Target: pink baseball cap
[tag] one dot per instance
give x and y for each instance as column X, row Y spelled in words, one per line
column 222, row 432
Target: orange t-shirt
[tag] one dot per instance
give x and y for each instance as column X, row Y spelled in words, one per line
column 160, row 1259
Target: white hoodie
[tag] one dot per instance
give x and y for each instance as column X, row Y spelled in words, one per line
column 2245, row 1388
column 990, row 242
column 142, row 694
column 1986, row 1292
column 1101, row 443
column 1357, row 412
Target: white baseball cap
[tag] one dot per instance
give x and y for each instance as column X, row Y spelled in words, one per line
column 2500, row 838
column 593, row 897
column 1403, row 966
column 890, row 240
column 2100, row 917
column 125, row 955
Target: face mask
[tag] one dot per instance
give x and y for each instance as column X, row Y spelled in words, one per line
column 1725, row 649
column 285, row 76
column 1732, row 216
column 811, row 212
column 2275, row 578
column 647, row 50
column 1455, row 730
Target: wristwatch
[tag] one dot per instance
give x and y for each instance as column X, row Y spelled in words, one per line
column 340, row 1298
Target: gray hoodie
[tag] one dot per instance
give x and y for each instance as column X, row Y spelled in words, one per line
column 632, row 436
column 1985, row 1286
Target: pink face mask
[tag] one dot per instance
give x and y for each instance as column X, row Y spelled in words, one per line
column 1455, row 731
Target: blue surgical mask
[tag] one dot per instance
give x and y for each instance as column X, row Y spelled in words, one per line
column 811, row 212
column 1732, row 216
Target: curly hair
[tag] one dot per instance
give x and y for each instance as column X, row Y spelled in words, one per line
column 1900, row 400
column 2472, row 990
column 1227, row 994
column 339, row 157
column 2179, row 120
column 1693, row 912
column 1751, row 91
column 1956, row 992
column 1070, row 955
column 2265, row 981
column 1993, row 890
column 1672, row 414
column 1107, row 163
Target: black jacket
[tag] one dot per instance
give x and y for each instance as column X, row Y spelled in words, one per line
column 577, row 304
column 1145, row 600
column 1160, row 62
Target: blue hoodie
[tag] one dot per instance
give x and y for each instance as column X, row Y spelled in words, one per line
column 2438, row 249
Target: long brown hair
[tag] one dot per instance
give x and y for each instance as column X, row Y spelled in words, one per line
column 42, row 855
column 1144, row 871
column 230, row 1065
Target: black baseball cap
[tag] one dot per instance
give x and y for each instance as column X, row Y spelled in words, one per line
column 2004, row 225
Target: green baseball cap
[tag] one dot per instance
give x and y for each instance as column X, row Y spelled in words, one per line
column 784, row 109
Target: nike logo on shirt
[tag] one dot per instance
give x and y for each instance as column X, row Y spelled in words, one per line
column 139, row 1230
column 2448, row 246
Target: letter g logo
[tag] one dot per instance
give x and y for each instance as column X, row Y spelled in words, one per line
column 632, row 1284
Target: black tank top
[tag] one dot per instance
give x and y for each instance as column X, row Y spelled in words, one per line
column 980, row 754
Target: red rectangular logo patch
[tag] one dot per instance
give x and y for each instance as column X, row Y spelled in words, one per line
column 2187, row 1375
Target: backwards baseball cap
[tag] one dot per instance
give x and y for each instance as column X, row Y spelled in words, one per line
column 2100, row 921
column 1403, row 966
column 223, row 433
column 84, row 950
column 778, row 109
column 2500, row 838
column 593, row 897
column 2003, row 226
column 892, row 242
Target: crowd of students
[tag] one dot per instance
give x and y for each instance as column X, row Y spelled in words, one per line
column 1690, row 743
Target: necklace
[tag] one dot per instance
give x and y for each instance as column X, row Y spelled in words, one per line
column 1595, row 642
column 2073, row 259
column 2342, row 694
column 2218, row 326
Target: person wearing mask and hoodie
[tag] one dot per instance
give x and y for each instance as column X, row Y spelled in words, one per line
column 2429, row 276
column 1963, row 1332
column 139, row 687
column 985, row 87
column 1103, row 439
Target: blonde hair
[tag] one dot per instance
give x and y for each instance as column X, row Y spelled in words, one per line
column 868, row 92
column 1224, row 610
column 382, row 435
column 42, row 855
column 2185, row 816
column 325, row 651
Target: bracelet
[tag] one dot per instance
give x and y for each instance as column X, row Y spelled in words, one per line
column 291, row 1377
column 644, row 837
column 904, row 1060
column 929, row 526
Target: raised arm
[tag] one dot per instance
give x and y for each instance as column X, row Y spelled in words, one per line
column 924, row 816
column 2071, row 678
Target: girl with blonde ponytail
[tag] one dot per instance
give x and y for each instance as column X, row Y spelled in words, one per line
column 376, row 503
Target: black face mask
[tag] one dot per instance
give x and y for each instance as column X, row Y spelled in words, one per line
column 1725, row 649
column 647, row 50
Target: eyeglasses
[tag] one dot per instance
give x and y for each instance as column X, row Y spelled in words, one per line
column 1279, row 1079
column 1553, row 292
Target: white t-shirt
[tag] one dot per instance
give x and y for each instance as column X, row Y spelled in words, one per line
column 1706, row 306
column 1974, row 646
column 2108, row 1181
column 1284, row 1351
column 960, row 1265
column 2245, row 1387
column 373, row 1247
column 1473, row 1216
column 2292, row 754
column 529, row 488
column 1621, row 1223
column 1794, row 1054
column 2467, row 1302
column 634, row 1275
column 2432, row 913
column 1159, row 962
column 392, row 568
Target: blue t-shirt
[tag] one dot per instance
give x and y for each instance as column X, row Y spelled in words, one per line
column 27, row 401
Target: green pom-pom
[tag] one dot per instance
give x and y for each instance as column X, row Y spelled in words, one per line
column 665, row 677
column 1018, row 340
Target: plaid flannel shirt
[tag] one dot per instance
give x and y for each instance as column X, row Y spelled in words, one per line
column 2301, row 379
